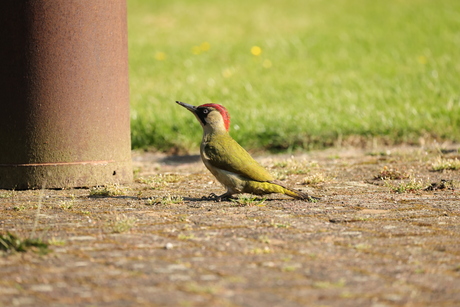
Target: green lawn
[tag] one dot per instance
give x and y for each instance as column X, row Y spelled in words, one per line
column 323, row 70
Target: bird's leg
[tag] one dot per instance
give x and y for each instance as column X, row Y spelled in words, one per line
column 226, row 196
column 218, row 198
column 211, row 196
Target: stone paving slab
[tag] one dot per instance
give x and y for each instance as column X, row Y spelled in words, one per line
column 160, row 244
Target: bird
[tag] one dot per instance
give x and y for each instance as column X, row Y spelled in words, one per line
column 230, row 163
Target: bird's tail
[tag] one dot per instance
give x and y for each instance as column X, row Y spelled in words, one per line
column 300, row 195
column 296, row 193
column 267, row 187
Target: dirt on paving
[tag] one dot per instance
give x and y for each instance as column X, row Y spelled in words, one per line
column 386, row 232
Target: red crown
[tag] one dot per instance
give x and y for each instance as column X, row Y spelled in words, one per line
column 223, row 111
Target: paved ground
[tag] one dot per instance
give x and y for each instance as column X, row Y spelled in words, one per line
column 159, row 244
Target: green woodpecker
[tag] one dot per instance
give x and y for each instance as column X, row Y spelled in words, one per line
column 230, row 163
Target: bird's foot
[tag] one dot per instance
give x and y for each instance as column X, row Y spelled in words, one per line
column 217, row 198
column 211, row 196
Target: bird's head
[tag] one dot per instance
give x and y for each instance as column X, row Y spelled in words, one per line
column 212, row 117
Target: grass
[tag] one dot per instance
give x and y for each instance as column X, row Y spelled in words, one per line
column 182, row 236
column 388, row 173
column 245, row 200
column 315, row 179
column 12, row 243
column 67, row 204
column 7, row 194
column 121, row 224
column 327, row 284
column 159, row 181
column 108, row 190
column 410, row 186
column 295, row 74
column 442, row 164
column 165, row 200
column 295, row 166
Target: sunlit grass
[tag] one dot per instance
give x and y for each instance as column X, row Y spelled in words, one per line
column 410, row 186
column 165, row 200
column 244, row 200
column 159, row 181
column 295, row 74
column 316, row 178
column 442, row 164
column 122, row 223
column 108, row 190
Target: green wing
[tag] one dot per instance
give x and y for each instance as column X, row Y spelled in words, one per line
column 225, row 153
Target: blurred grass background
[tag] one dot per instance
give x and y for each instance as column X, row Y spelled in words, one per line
column 295, row 74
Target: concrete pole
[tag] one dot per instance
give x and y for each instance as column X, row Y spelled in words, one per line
column 64, row 94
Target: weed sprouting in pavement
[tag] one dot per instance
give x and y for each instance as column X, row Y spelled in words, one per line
column 108, row 190
column 443, row 164
column 13, row 243
column 244, row 200
column 165, row 200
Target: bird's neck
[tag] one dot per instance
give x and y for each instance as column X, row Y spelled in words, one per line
column 211, row 130
column 209, row 134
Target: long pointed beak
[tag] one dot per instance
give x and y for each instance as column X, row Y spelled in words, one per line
column 187, row 106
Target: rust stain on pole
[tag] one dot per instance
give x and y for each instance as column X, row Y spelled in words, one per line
column 64, row 93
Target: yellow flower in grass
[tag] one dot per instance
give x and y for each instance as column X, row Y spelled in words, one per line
column 205, row 46
column 422, row 59
column 196, row 50
column 256, row 50
column 160, row 56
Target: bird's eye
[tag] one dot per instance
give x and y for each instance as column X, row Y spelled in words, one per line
column 205, row 111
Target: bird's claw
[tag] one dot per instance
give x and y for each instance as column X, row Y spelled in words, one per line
column 211, row 196
column 216, row 198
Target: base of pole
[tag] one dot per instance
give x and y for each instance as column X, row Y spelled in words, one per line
column 64, row 174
